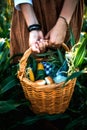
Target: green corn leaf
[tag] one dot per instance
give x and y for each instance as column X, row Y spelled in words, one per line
column 40, row 74
column 32, row 119
column 78, row 121
column 48, row 53
column 1, row 46
column 72, row 38
column 80, row 58
column 4, row 56
column 81, row 52
column 74, row 75
column 5, row 66
column 60, row 56
column 32, row 63
column 9, row 105
column 8, row 83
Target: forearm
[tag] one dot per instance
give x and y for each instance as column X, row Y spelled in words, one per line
column 29, row 14
column 68, row 9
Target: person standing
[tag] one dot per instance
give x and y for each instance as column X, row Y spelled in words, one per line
column 36, row 20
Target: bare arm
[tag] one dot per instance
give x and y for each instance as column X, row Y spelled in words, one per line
column 29, row 14
column 57, row 34
column 68, row 9
column 36, row 35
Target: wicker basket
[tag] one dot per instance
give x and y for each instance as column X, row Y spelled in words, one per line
column 50, row 99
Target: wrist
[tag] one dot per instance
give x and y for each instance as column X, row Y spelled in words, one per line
column 34, row 27
column 63, row 18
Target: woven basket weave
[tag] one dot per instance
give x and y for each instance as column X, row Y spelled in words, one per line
column 50, row 99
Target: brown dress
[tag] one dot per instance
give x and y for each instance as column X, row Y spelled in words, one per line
column 47, row 12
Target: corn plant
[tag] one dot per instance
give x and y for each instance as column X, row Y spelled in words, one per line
column 77, row 59
column 8, row 79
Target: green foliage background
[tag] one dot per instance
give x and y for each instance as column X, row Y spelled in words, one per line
column 14, row 109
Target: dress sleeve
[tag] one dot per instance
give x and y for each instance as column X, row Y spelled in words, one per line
column 18, row 2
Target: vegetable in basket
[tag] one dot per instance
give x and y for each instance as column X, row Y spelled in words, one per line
column 30, row 74
column 77, row 59
column 61, row 74
column 40, row 74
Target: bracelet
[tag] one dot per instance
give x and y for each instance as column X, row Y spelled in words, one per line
column 64, row 20
column 34, row 27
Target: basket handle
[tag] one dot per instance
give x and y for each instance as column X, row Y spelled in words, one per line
column 65, row 47
column 23, row 61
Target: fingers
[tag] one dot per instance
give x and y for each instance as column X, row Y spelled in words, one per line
column 35, row 48
column 53, row 43
column 43, row 44
column 39, row 46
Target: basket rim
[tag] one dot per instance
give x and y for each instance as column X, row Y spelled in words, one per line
column 49, row 86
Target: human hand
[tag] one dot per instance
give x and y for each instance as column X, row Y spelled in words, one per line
column 42, row 44
column 37, row 42
column 35, row 36
column 56, row 35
